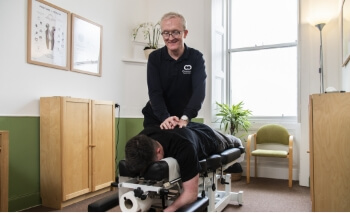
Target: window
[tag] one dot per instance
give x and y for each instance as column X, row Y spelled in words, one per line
column 263, row 56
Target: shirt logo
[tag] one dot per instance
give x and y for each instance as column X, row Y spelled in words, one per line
column 187, row 69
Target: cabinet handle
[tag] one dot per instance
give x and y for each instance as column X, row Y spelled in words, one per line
column 92, row 146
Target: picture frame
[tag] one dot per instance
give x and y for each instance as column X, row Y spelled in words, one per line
column 48, row 35
column 346, row 31
column 86, row 54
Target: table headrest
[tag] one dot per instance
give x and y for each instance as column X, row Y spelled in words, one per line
column 167, row 168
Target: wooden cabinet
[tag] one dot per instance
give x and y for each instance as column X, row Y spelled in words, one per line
column 4, row 170
column 77, row 149
column 330, row 152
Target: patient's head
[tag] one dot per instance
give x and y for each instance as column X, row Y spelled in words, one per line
column 140, row 152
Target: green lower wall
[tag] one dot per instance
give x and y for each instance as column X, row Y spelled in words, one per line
column 24, row 156
column 128, row 127
column 24, row 182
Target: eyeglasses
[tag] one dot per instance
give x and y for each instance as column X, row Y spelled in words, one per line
column 174, row 33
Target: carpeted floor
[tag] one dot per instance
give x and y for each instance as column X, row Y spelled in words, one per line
column 261, row 195
column 271, row 195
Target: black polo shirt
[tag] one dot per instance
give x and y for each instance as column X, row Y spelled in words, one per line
column 178, row 147
column 189, row 145
column 176, row 87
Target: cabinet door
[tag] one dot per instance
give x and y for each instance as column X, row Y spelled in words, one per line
column 311, row 150
column 4, row 175
column 76, row 127
column 103, row 144
column 331, row 151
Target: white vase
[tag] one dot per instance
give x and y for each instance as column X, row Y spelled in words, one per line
column 147, row 52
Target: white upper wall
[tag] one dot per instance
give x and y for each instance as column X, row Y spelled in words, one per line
column 22, row 84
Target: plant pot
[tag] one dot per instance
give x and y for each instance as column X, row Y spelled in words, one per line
column 235, row 170
column 236, row 176
column 147, row 52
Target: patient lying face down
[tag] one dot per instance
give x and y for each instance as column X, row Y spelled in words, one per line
column 187, row 145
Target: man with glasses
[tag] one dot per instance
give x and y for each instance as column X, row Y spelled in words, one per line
column 175, row 76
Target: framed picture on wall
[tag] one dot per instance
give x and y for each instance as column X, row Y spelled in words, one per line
column 86, row 55
column 48, row 40
column 346, row 31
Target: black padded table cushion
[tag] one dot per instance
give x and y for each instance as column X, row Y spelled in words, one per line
column 104, row 204
column 230, row 155
column 158, row 171
column 213, row 162
column 203, row 164
column 123, row 170
column 200, row 205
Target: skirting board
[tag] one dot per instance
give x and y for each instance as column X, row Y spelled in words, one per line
column 271, row 172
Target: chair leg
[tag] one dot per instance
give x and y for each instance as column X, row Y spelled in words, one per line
column 256, row 166
column 248, row 168
column 290, row 178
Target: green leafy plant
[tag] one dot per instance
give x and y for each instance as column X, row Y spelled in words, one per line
column 234, row 117
column 151, row 32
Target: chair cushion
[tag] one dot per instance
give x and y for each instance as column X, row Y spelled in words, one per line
column 272, row 133
column 270, row 153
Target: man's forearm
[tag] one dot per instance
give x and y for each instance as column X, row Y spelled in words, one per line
column 189, row 195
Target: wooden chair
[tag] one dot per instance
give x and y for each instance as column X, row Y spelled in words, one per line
column 270, row 134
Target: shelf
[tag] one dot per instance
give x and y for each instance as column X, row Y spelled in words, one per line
column 134, row 61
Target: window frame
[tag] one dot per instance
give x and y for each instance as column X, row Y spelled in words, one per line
column 262, row 119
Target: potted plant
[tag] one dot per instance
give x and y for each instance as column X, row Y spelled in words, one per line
column 234, row 118
column 151, row 33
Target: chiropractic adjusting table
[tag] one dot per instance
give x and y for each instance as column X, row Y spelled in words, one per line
column 161, row 184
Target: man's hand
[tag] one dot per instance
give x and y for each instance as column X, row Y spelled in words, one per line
column 189, row 194
column 170, row 123
column 182, row 123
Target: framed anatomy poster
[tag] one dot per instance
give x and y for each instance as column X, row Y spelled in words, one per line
column 48, row 41
column 86, row 52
